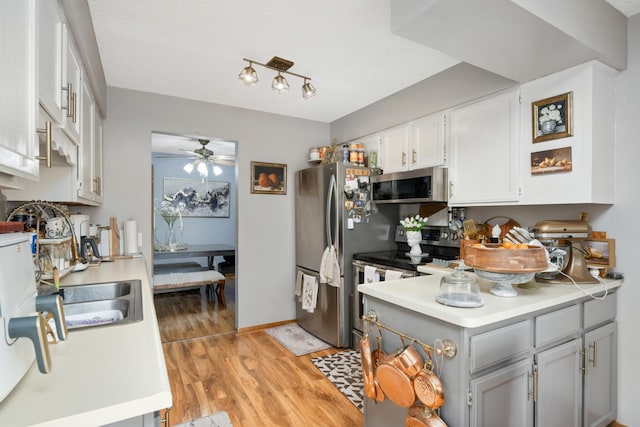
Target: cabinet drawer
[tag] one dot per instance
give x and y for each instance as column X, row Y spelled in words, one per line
column 558, row 324
column 500, row 345
column 600, row 311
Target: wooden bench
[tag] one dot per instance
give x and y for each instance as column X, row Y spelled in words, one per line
column 210, row 282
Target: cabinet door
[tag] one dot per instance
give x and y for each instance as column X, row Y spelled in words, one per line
column 50, row 29
column 72, row 74
column 600, row 378
column 394, row 149
column 85, row 171
column 484, row 166
column 427, row 142
column 97, row 158
column 559, row 389
column 18, row 99
column 501, row 398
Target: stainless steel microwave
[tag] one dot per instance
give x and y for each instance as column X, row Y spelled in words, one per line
column 416, row 186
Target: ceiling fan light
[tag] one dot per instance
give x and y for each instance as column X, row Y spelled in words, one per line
column 248, row 75
column 280, row 84
column 188, row 168
column 217, row 170
column 202, row 169
column 308, row 91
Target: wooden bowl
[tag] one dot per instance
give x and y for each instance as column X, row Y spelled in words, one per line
column 496, row 259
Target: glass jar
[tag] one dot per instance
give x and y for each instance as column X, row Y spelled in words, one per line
column 459, row 290
column 314, row 154
column 353, row 154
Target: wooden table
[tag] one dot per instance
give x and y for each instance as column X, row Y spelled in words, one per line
column 193, row 251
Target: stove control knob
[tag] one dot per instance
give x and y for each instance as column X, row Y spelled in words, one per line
column 454, row 236
column 444, row 235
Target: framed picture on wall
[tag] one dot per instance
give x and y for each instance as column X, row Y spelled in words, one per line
column 268, row 178
column 195, row 198
column 552, row 118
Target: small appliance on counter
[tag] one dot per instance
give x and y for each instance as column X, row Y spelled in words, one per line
column 557, row 236
column 22, row 314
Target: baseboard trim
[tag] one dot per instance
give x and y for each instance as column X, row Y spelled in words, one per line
column 263, row 327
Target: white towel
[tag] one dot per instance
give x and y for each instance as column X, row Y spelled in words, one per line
column 329, row 267
column 392, row 275
column 298, row 291
column 371, row 274
column 309, row 293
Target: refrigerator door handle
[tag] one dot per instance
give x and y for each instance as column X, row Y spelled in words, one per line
column 331, row 197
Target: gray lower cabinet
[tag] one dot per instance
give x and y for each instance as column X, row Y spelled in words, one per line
column 600, row 377
column 555, row 367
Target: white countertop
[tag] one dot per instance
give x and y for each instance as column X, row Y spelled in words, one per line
column 419, row 294
column 99, row 375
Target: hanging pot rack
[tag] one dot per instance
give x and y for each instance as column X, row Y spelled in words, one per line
column 446, row 348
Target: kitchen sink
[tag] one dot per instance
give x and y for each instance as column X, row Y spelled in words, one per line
column 102, row 304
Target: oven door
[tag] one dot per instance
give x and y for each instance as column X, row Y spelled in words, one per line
column 358, row 305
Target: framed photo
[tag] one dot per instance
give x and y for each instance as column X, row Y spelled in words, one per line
column 600, row 252
column 268, row 178
column 552, row 118
column 195, row 198
column 551, row 161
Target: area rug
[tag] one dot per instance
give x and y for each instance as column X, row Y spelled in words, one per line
column 219, row 419
column 344, row 370
column 297, row 340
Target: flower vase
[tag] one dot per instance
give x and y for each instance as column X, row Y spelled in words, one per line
column 413, row 240
column 172, row 243
column 548, row 126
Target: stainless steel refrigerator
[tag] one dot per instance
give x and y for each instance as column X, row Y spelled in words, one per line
column 333, row 204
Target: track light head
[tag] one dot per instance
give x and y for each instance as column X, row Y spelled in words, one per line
column 248, row 75
column 280, row 84
column 308, row 91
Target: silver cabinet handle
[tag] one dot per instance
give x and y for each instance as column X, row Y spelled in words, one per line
column 69, row 107
column 49, row 139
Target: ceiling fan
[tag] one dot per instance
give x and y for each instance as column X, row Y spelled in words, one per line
column 205, row 157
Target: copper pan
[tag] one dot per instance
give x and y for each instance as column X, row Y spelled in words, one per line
column 395, row 385
column 367, row 368
column 378, row 356
column 420, row 416
column 429, row 388
column 407, row 360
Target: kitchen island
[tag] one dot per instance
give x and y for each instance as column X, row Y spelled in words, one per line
column 544, row 340
column 99, row 376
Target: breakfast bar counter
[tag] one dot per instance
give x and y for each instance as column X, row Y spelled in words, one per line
column 99, row 375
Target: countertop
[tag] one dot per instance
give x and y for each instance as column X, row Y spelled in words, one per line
column 99, row 375
column 419, row 294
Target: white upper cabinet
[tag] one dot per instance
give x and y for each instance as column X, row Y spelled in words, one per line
column 427, row 142
column 50, row 60
column 394, row 149
column 18, row 99
column 415, row 145
column 72, row 77
column 589, row 171
column 484, row 167
column 91, row 149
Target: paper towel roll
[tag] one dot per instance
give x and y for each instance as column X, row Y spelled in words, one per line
column 130, row 237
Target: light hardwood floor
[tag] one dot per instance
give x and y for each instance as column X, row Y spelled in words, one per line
column 250, row 376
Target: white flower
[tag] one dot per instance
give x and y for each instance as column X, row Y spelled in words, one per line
column 414, row 223
column 550, row 112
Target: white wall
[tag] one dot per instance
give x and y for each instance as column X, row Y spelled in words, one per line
column 265, row 241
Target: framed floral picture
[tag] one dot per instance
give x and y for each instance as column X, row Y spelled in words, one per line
column 552, row 118
column 268, row 178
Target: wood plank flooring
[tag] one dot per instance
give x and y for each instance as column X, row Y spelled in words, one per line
column 250, row 376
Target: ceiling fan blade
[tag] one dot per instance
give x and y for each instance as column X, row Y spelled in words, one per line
column 190, row 152
column 224, row 162
column 225, row 157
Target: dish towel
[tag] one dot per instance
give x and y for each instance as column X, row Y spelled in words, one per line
column 309, row 293
column 371, row 274
column 329, row 267
column 392, row 275
column 298, row 291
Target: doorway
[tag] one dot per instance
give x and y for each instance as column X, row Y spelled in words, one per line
column 194, row 204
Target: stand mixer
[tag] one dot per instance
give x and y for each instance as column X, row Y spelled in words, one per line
column 565, row 236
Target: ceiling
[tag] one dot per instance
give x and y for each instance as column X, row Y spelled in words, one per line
column 194, row 49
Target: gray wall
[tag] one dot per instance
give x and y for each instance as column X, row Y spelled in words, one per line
column 265, row 241
column 453, row 86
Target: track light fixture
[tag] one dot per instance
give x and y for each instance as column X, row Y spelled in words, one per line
column 280, row 84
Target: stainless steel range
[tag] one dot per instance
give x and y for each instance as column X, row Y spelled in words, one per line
column 438, row 244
